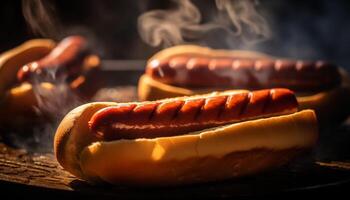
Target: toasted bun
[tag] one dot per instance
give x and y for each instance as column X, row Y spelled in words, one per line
column 18, row 111
column 150, row 89
column 72, row 136
column 332, row 106
column 19, row 101
column 214, row 154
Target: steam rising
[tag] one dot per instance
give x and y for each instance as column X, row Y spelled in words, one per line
column 245, row 19
column 57, row 101
column 52, row 105
column 239, row 18
column 40, row 16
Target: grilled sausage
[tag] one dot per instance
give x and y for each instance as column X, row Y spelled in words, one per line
column 200, row 72
column 182, row 115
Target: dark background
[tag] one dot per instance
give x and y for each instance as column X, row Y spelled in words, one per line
column 301, row 29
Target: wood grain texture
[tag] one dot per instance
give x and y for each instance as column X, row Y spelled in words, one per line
column 42, row 171
column 32, row 169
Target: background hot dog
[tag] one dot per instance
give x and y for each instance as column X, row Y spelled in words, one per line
column 191, row 69
column 66, row 58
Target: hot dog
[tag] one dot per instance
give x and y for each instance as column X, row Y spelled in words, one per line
column 26, row 68
column 11, row 61
column 180, row 140
column 71, row 60
column 188, row 69
column 67, row 58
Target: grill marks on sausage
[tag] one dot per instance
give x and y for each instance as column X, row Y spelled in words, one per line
column 182, row 115
column 197, row 72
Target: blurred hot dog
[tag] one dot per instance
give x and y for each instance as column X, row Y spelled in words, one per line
column 65, row 59
column 189, row 69
column 40, row 65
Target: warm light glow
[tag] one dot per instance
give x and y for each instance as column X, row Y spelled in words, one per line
column 158, row 152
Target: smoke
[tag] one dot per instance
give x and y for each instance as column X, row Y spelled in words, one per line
column 57, row 101
column 238, row 18
column 54, row 101
column 247, row 24
column 41, row 18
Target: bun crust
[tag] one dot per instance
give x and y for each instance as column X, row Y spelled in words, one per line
column 72, row 136
column 18, row 102
column 207, row 155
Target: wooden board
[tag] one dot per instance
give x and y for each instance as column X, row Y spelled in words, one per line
column 43, row 172
column 324, row 171
column 40, row 170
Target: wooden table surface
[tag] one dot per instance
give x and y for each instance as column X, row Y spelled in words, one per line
column 326, row 169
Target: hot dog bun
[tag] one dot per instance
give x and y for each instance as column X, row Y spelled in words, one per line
column 217, row 153
column 18, row 103
column 330, row 104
